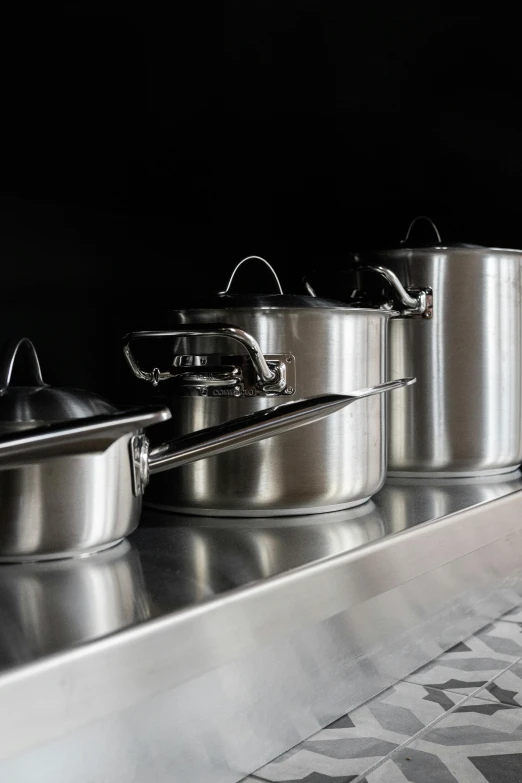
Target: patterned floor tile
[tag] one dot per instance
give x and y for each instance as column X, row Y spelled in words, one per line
column 515, row 616
column 349, row 746
column 506, row 688
column 316, row 777
column 477, row 742
column 471, row 664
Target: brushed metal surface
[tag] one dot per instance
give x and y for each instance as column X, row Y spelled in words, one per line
column 69, row 505
column 258, row 657
column 334, row 464
column 464, row 415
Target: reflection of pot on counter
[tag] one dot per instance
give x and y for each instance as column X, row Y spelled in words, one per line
column 219, row 553
column 48, row 606
column 422, row 499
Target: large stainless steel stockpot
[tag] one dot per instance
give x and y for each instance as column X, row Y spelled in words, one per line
column 460, row 333
column 72, row 475
column 244, row 353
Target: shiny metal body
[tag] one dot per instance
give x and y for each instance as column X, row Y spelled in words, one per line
column 260, row 633
column 464, row 415
column 76, row 487
column 334, row 464
column 67, row 506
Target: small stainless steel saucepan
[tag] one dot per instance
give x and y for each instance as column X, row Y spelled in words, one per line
column 72, row 472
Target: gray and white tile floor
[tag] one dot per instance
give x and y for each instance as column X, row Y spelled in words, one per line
column 456, row 720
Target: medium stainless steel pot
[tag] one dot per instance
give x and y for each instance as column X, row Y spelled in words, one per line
column 460, row 333
column 70, row 487
column 237, row 354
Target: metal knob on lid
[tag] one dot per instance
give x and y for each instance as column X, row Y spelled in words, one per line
column 36, row 403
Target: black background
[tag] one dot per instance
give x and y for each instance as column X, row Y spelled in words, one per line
column 143, row 154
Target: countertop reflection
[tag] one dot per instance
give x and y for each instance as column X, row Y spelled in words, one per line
column 175, row 561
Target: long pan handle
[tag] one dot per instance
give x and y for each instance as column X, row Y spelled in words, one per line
column 96, row 433
column 256, row 426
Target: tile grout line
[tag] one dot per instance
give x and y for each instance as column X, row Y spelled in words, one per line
column 480, row 687
column 508, row 620
column 434, row 722
column 465, row 698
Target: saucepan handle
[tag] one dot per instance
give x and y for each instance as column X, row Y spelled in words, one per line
column 256, row 426
column 96, row 433
column 268, row 378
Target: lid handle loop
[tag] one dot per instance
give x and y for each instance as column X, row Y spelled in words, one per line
column 416, row 220
column 251, row 258
column 8, row 358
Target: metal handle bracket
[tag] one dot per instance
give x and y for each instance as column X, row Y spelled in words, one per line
column 271, row 374
column 415, row 302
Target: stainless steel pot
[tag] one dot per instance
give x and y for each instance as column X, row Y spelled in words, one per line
column 75, row 486
column 460, row 333
column 239, row 354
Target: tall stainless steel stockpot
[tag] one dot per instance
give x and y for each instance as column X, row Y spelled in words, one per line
column 73, row 469
column 244, row 353
column 460, row 334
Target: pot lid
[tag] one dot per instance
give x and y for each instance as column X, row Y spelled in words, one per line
column 429, row 244
column 35, row 402
column 228, row 299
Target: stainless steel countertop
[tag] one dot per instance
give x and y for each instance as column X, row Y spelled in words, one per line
column 174, row 563
column 191, row 603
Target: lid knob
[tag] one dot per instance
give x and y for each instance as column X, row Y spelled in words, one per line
column 252, row 258
column 416, row 220
column 8, row 358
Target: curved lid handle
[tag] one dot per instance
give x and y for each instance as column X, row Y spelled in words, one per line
column 252, row 258
column 416, row 220
column 8, row 359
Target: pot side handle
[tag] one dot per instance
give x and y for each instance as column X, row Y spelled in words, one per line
column 268, row 378
column 413, row 302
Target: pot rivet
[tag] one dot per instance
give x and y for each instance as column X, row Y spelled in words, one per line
column 289, row 359
column 289, row 390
